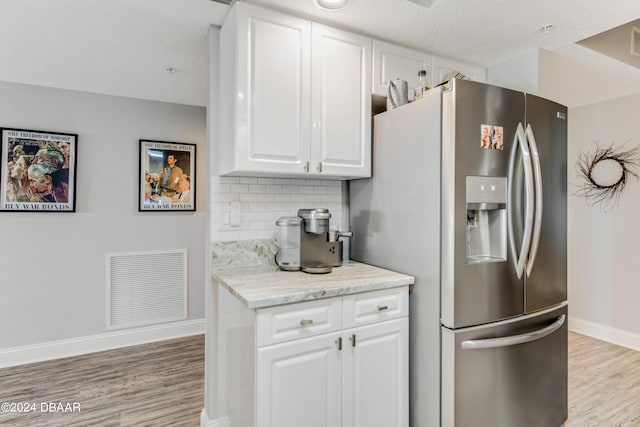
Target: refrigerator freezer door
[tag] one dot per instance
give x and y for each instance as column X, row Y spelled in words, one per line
column 510, row 373
column 479, row 139
column 546, row 283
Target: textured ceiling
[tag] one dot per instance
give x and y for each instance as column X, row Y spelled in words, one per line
column 479, row 31
column 123, row 47
column 118, row 47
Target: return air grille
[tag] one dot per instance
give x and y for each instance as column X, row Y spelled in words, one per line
column 145, row 288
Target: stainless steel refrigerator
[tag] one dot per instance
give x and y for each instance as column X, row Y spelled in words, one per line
column 468, row 194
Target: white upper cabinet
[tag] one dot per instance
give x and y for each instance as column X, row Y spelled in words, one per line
column 391, row 62
column 341, row 103
column 270, row 97
column 265, row 96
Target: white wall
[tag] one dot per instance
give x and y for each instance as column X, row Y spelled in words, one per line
column 520, row 72
column 603, row 261
column 602, row 284
column 52, row 265
column 573, row 75
column 576, row 76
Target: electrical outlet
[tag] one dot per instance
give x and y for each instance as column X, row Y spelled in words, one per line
column 235, row 214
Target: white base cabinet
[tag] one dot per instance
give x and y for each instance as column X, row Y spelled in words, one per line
column 299, row 383
column 375, row 375
column 340, row 361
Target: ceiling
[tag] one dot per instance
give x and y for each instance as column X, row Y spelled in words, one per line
column 125, row 47
column 618, row 43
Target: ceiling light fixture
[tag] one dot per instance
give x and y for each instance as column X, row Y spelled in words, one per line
column 332, row 4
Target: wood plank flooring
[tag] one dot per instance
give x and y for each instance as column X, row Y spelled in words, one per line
column 157, row 384
column 604, row 384
column 162, row 384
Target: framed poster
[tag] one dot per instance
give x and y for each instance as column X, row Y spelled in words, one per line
column 167, row 178
column 37, row 171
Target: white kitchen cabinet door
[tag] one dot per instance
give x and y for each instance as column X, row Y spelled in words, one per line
column 270, row 98
column 340, row 103
column 391, row 62
column 299, row 383
column 443, row 67
column 376, row 375
column 271, row 95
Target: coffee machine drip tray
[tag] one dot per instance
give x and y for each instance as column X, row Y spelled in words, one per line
column 316, row 269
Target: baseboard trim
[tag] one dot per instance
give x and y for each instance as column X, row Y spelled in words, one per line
column 13, row 356
column 205, row 422
column 605, row 333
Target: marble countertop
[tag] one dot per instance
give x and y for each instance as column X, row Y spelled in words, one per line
column 269, row 286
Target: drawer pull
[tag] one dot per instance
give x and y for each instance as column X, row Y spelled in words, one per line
column 383, row 307
column 306, row 322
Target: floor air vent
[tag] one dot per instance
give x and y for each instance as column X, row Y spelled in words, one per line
column 146, row 288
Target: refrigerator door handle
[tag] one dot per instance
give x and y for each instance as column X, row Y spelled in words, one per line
column 537, row 175
column 520, row 259
column 514, row 339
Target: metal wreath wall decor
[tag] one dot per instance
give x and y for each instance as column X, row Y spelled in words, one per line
column 604, row 174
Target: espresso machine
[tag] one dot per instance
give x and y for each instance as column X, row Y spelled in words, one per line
column 306, row 242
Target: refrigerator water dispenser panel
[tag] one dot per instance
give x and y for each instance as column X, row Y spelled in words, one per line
column 486, row 198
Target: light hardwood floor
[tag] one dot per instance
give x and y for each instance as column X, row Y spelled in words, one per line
column 604, row 384
column 162, row 384
column 157, row 384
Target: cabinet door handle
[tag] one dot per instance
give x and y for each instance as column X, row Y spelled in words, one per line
column 319, row 167
column 306, row 322
column 383, row 307
column 339, row 342
column 306, row 167
column 352, row 338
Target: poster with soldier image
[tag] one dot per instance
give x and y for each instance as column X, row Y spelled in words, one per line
column 167, row 176
column 37, row 171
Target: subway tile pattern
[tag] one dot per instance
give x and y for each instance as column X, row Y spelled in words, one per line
column 256, row 203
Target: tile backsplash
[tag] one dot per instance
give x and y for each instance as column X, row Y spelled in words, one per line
column 246, row 208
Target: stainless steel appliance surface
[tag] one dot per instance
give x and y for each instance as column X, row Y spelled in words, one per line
column 468, row 195
column 307, row 242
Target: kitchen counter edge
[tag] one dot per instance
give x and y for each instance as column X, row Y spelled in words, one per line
column 270, row 287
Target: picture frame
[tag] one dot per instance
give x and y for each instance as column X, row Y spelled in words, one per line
column 167, row 176
column 37, row 170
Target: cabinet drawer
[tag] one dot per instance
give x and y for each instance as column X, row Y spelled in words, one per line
column 377, row 306
column 289, row 322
